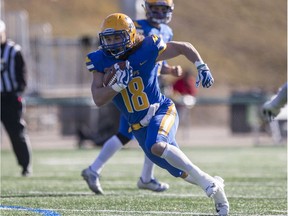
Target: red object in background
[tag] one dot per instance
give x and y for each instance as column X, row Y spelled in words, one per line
column 185, row 85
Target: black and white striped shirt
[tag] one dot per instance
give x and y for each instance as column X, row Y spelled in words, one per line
column 13, row 70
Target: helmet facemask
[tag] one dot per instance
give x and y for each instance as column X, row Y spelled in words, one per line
column 115, row 49
column 159, row 17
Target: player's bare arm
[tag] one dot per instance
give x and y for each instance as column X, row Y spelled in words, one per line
column 101, row 95
column 175, row 48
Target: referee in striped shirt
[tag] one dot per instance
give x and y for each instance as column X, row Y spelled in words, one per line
column 13, row 83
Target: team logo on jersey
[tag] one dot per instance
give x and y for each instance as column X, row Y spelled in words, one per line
column 155, row 38
column 142, row 63
column 130, row 24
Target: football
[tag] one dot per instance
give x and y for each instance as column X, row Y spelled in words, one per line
column 110, row 76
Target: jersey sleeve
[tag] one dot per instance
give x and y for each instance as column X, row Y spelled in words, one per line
column 94, row 62
column 89, row 64
column 158, row 41
column 21, row 70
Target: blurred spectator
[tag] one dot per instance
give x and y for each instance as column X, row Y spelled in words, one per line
column 183, row 93
column 186, row 84
column 13, row 84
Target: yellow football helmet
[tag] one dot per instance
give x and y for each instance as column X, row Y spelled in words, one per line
column 122, row 30
column 156, row 16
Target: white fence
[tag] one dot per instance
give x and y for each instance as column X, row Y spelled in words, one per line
column 54, row 64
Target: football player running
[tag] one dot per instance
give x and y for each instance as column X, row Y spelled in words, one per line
column 136, row 92
column 159, row 14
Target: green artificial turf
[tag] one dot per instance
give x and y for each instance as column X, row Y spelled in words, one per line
column 255, row 179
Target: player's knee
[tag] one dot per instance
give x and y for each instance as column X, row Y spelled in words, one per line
column 158, row 148
column 124, row 140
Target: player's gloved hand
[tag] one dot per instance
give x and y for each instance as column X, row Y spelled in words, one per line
column 124, row 76
column 269, row 111
column 204, row 76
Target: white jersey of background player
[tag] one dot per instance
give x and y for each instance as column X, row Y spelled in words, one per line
column 272, row 107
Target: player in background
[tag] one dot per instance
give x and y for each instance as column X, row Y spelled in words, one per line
column 184, row 95
column 137, row 91
column 271, row 108
column 158, row 13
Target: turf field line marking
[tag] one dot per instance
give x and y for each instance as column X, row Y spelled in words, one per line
column 44, row 212
column 61, row 194
column 129, row 212
column 151, row 212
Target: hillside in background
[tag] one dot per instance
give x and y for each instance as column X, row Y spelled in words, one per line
column 243, row 41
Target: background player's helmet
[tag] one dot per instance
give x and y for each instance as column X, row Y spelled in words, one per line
column 159, row 17
column 121, row 26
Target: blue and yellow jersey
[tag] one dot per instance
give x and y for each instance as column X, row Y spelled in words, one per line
column 143, row 89
column 164, row 31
